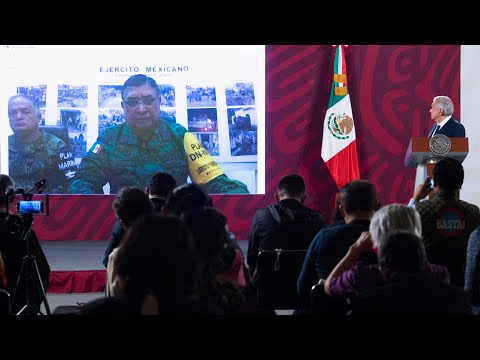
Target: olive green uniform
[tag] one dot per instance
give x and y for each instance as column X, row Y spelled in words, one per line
column 46, row 158
column 121, row 158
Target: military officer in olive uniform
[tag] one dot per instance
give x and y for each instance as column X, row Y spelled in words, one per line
column 34, row 154
column 130, row 153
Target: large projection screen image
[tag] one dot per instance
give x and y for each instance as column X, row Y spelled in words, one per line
column 69, row 119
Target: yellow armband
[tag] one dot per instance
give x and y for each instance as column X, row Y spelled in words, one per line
column 201, row 165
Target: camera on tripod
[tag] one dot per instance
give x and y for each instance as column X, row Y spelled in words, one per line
column 33, row 204
column 32, row 275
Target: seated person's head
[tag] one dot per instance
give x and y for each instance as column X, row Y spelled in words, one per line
column 358, row 196
column 161, row 184
column 211, row 236
column 291, row 186
column 157, row 255
column 185, row 197
column 394, row 217
column 448, row 175
column 7, row 189
column 130, row 203
column 401, row 253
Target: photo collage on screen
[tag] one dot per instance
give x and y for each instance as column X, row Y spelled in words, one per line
column 242, row 118
column 72, row 103
column 202, row 115
column 110, row 110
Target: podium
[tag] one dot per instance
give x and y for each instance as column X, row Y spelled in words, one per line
column 420, row 155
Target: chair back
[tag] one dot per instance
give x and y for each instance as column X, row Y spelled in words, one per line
column 323, row 304
column 59, row 131
column 276, row 277
column 5, row 302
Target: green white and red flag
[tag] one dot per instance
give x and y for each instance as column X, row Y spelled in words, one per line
column 339, row 144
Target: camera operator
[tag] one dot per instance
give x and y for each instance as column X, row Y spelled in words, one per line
column 13, row 248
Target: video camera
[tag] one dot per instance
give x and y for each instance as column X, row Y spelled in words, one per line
column 35, row 204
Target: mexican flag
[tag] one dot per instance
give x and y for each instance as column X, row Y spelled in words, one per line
column 339, row 145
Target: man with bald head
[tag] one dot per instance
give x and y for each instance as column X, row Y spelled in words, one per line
column 34, row 154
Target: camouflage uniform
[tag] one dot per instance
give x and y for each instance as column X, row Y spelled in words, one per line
column 48, row 157
column 121, row 158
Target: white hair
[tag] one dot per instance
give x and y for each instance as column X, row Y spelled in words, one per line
column 394, row 217
column 445, row 103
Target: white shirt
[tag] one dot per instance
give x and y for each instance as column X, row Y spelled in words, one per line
column 112, row 286
column 442, row 123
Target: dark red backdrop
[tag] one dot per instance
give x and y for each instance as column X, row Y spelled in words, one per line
column 391, row 89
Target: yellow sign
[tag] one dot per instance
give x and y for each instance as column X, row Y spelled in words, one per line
column 203, row 167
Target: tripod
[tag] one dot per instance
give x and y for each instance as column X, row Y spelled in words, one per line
column 31, row 275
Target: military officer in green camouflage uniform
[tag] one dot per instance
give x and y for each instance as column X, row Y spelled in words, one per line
column 130, row 153
column 33, row 154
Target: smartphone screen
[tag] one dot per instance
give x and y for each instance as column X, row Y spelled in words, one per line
column 429, row 183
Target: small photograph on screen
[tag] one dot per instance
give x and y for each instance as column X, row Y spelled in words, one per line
column 109, row 117
column 110, row 96
column 42, row 111
column 167, row 95
column 76, row 124
column 209, row 142
column 202, row 120
column 36, row 92
column 72, row 96
column 240, row 93
column 168, row 114
column 243, row 143
column 201, row 95
column 242, row 119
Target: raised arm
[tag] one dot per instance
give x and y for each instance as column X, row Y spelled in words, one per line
column 363, row 244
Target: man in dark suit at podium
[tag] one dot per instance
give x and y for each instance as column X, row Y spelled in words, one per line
column 441, row 112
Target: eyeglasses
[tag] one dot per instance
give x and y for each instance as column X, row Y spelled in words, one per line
column 146, row 101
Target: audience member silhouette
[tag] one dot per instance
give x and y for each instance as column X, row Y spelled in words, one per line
column 158, row 272
column 409, row 288
column 222, row 277
column 188, row 196
column 358, row 201
column 286, row 225
column 337, row 216
column 129, row 204
column 160, row 185
column 350, row 276
column 472, row 270
column 447, row 221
